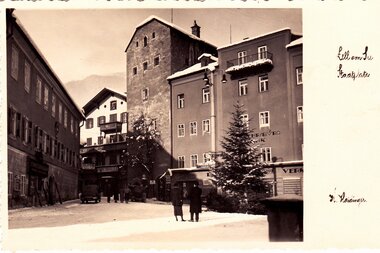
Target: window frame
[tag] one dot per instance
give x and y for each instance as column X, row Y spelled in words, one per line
column 181, row 101
column 262, row 54
column 101, row 120
column 180, row 127
column 206, row 95
column 145, row 41
column 299, row 73
column 181, row 161
column 145, row 66
column 264, row 119
column 206, row 158
column 145, row 94
column 134, row 71
column 15, row 61
column 192, row 160
column 193, row 128
column 46, row 98
column 242, row 57
column 113, row 115
column 156, row 60
column 204, row 130
column 89, row 123
column 263, row 83
column 243, row 87
column 10, row 182
column 113, row 105
column 38, row 90
column 265, row 155
column 27, row 76
column 300, row 114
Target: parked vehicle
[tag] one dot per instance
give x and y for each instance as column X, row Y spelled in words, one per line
column 90, row 193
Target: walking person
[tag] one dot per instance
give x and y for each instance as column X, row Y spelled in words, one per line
column 177, row 202
column 195, row 202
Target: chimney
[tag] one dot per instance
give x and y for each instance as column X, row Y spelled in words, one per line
column 196, row 29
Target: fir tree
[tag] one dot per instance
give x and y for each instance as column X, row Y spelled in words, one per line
column 240, row 170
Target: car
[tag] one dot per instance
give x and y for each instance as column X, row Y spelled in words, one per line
column 90, row 193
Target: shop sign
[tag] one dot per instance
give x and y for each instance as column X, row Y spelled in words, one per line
column 108, row 169
column 292, row 170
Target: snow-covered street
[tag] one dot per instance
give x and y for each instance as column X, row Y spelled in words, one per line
column 134, row 225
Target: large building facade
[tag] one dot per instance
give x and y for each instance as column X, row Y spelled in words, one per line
column 43, row 126
column 105, row 133
column 156, row 50
column 264, row 74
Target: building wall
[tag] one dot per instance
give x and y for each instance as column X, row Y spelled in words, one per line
column 279, row 135
column 176, row 52
column 23, row 107
column 104, row 110
column 194, row 111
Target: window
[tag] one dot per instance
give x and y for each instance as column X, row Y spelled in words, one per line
column 124, row 117
column 181, row 101
column 23, row 185
column 28, row 138
column 137, row 44
column 89, row 141
column 194, row 160
column 89, row 123
column 12, row 121
column 38, row 90
column 181, row 162
column 262, row 52
column 266, row 154
column 153, row 35
column 101, row 120
column 299, row 114
column 60, row 112
column 18, row 122
column 242, row 57
column 10, row 183
column 243, row 87
column 263, row 83
column 135, row 71
column 299, row 72
column 193, row 128
column 264, row 119
column 113, row 117
column 181, row 130
column 113, row 105
column 72, row 124
column 145, row 41
column 100, row 140
column 14, row 63
column 156, row 60
column 65, row 119
column 27, row 75
column 245, row 119
column 113, row 138
column 145, row 94
column 46, row 98
column 26, row 131
column 206, row 158
column 206, row 126
column 145, row 65
column 206, row 95
column 153, row 125
column 53, row 105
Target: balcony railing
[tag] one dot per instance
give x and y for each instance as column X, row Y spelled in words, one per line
column 111, row 127
column 250, row 64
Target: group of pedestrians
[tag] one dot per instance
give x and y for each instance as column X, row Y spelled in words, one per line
column 195, row 202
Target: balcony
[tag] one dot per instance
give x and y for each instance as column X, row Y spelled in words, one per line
column 250, row 65
column 111, row 127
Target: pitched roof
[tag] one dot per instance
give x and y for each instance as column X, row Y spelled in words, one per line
column 168, row 24
column 100, row 97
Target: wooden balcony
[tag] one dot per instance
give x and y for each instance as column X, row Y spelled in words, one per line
column 111, row 127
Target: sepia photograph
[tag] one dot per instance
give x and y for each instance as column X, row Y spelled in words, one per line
column 132, row 127
column 179, row 126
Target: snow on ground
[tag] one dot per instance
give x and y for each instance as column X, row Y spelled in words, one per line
column 215, row 230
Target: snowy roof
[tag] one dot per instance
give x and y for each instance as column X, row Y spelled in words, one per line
column 44, row 61
column 100, row 97
column 254, row 38
column 208, row 55
column 193, row 69
column 152, row 17
column 249, row 64
column 295, row 43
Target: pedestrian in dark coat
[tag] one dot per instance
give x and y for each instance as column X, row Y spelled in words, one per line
column 195, row 202
column 177, row 202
